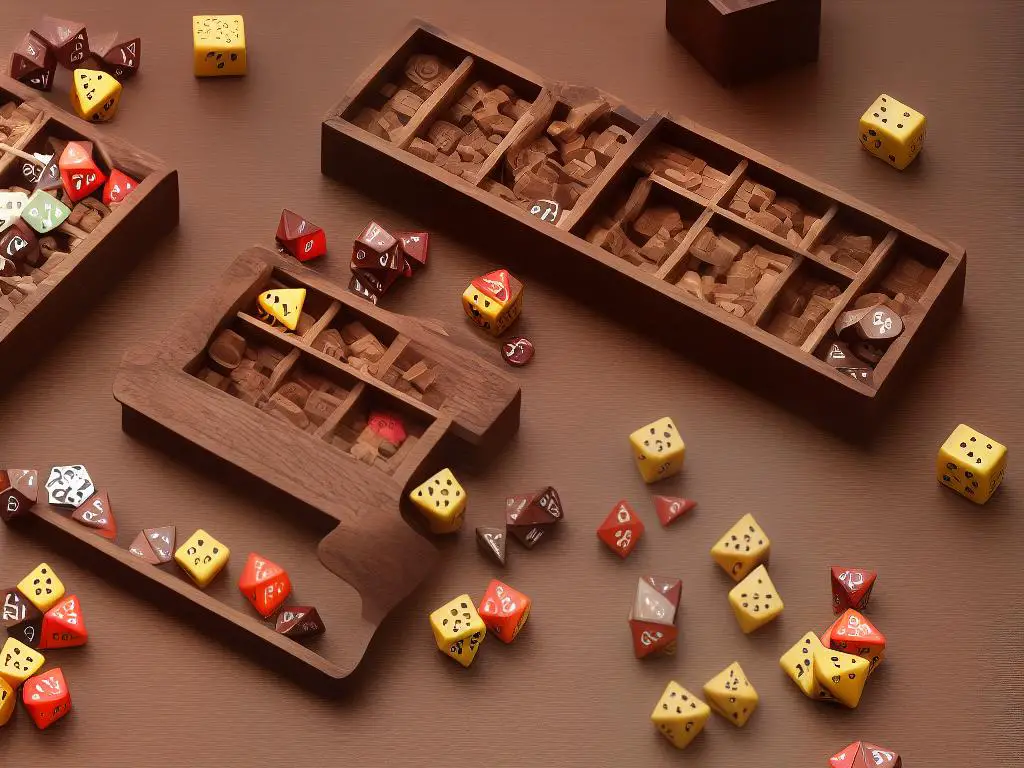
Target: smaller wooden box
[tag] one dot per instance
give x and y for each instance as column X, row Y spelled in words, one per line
column 741, row 40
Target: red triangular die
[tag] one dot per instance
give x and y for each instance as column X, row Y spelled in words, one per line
column 846, row 757
column 670, row 508
column 495, row 284
column 621, row 530
column 96, row 513
column 292, row 226
column 64, row 625
column 118, row 187
column 851, row 587
column 264, row 583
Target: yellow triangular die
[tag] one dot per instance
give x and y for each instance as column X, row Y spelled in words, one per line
column 95, row 95
column 841, row 674
column 798, row 663
column 284, row 305
column 755, row 600
column 731, row 695
column 742, row 548
column 679, row 715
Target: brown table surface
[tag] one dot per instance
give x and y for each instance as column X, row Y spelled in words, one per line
column 153, row 690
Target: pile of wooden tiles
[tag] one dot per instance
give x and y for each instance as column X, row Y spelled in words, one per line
column 782, row 216
column 397, row 103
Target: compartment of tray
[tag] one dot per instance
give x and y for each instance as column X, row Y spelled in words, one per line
column 802, row 302
column 777, row 203
column 849, row 238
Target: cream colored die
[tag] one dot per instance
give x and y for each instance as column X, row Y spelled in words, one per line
column 892, row 131
column 218, row 44
column 755, row 600
column 442, row 501
column 742, row 548
column 458, row 629
column 658, row 449
column 679, row 715
column 971, row 464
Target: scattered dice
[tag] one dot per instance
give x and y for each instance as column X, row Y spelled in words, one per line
column 731, row 695
column 971, row 464
column 202, row 557
column 416, row 246
column 442, row 501
column 670, row 509
column 95, row 95
column 494, row 301
column 301, row 238
column 19, row 490
column 63, row 625
column 300, row 621
column 492, row 542
column 458, row 629
column 892, row 131
column 18, row 662
column 854, row 634
column 265, row 584
column 743, row 547
column 755, row 600
column 218, row 46
column 679, row 715
column 42, row 587
column 154, row 545
column 283, row 305
column 863, row 754
column 851, row 588
column 621, row 530
column 96, row 513
column 652, row 617
column 69, row 486
column 504, row 610
column 530, row 516
column 658, row 449
column 47, row 698
column 378, row 260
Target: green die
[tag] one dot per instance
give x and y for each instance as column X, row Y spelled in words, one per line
column 44, row 212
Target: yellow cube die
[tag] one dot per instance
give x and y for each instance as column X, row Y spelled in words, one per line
column 843, row 675
column 742, row 548
column 658, row 449
column 458, row 629
column 892, row 131
column 218, row 44
column 202, row 557
column 731, row 695
column 494, row 301
column 798, row 663
column 679, row 715
column 7, row 701
column 442, row 501
column 18, row 662
column 971, row 464
column 42, row 587
column 95, row 95
column 755, row 600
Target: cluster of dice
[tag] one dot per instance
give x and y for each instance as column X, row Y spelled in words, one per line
column 70, row 176
column 460, row 628
column 864, row 754
column 380, row 258
column 98, row 66
column 37, row 616
column 494, row 302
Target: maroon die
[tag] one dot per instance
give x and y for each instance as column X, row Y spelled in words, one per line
column 117, row 55
column 531, row 516
column 298, row 621
column 851, row 588
column 417, row 247
column 22, row 620
column 33, row 63
column 19, row 490
column 19, row 243
column 378, row 250
column 68, row 39
column 517, row 351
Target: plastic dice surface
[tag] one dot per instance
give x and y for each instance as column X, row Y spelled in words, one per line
column 301, row 238
column 42, row 587
column 18, row 662
column 755, row 600
column 47, row 697
column 442, row 501
column 458, row 629
column 118, row 187
column 621, row 530
column 731, row 695
column 8, row 699
column 202, row 557
column 79, row 173
column 64, row 625
column 283, row 305
column 652, row 617
column 218, row 46
column 658, row 450
column 95, row 95
column 742, row 548
column 679, row 715
column 851, row 588
column 504, row 610
column 798, row 663
column 841, row 674
column 43, row 212
column 971, row 464
column 892, row 131
column 265, row 584
column 853, row 633
column 494, row 301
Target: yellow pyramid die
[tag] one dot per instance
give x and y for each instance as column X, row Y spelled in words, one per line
column 798, row 663
column 731, row 695
column 18, row 662
column 841, row 674
column 458, row 629
column 95, row 95
column 755, row 600
column 743, row 547
column 679, row 715
column 283, row 305
column 442, row 501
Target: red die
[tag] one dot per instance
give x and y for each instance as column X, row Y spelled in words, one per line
column 46, row 697
column 621, row 530
column 64, row 625
column 301, row 238
column 377, row 250
column 504, row 610
column 96, row 513
column 417, row 247
column 78, row 171
column 652, row 617
column 852, row 633
column 670, row 509
column 851, row 588
column 862, row 754
column 265, row 584
column 118, row 187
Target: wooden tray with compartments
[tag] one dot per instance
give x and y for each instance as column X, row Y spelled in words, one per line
column 176, row 393
column 773, row 342
column 90, row 260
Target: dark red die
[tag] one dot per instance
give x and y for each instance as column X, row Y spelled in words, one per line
column 851, row 588
column 117, row 55
column 33, row 63
column 68, row 39
column 670, row 509
column 417, row 247
column 621, row 530
column 18, row 492
column 377, row 250
column 19, row 243
column 22, row 620
column 118, row 187
column 96, row 513
column 78, row 171
column 301, row 238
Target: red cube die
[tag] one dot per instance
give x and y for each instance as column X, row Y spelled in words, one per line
column 504, row 610
column 78, row 171
column 621, row 530
column 265, row 584
column 46, row 697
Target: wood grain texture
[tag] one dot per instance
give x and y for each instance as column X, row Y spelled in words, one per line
column 569, row 681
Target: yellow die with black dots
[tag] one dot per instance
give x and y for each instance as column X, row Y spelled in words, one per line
column 892, row 131
column 494, row 301
column 218, row 44
column 202, row 557
column 971, row 463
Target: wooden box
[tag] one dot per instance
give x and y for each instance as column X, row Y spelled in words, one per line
column 741, row 40
column 178, row 394
column 94, row 259
column 646, row 295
